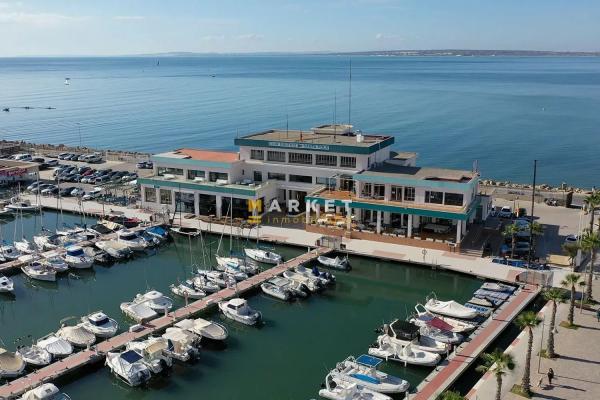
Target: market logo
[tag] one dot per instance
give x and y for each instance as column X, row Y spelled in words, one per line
column 255, row 206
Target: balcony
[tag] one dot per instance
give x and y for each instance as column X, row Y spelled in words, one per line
column 245, row 188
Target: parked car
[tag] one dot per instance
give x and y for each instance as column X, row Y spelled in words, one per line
column 23, row 157
column 92, row 194
column 102, row 179
column 51, row 163
column 129, row 177
column 33, row 185
column 505, row 212
column 50, row 191
column 93, row 158
column 38, row 160
column 144, row 165
column 77, row 192
column 572, row 239
column 66, row 191
column 39, row 188
column 62, row 156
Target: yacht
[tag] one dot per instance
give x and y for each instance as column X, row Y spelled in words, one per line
column 153, row 354
column 407, row 354
column 131, row 240
column 77, row 335
column 46, row 391
column 404, row 333
column 17, row 204
column 449, row 308
column 39, row 271
column 100, row 324
column 187, row 290
column 114, row 248
column 11, row 364
column 336, row 263
column 155, row 300
column 6, row 284
column 24, row 246
column 279, row 292
column 35, row 355
column 337, row 389
column 182, row 344
column 76, row 258
column 264, row 256
column 56, row 346
column 363, row 371
column 129, row 367
column 9, row 252
column 238, row 310
column 207, row 329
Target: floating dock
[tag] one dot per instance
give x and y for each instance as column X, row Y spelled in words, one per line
column 97, row 353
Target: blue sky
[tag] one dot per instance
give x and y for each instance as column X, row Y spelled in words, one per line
column 111, row 27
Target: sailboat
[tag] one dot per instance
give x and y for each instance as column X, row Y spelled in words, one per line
column 67, row 81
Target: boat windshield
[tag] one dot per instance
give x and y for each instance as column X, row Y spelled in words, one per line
column 75, row 252
column 98, row 322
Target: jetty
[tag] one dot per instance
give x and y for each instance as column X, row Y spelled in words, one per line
column 98, row 352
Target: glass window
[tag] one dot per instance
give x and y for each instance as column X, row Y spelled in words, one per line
column 326, row 159
column 409, row 194
column 276, row 176
column 150, row 194
column 347, row 162
column 165, row 196
column 396, row 194
column 366, row 189
column 453, row 199
column 172, row 171
column 278, row 156
column 193, row 173
column 434, row 197
column 300, row 158
column 301, row 178
column 329, row 182
column 379, row 191
column 214, row 176
column 257, row 176
column 257, row 154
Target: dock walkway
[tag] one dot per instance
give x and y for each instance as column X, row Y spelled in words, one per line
column 98, row 352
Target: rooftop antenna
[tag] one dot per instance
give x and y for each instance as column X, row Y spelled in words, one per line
column 350, row 94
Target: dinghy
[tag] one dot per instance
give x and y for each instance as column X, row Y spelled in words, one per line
column 46, row 391
column 153, row 354
column 336, row 389
column 363, row 371
column 100, row 324
column 207, row 329
column 76, row 258
column 35, row 355
column 187, row 290
column 129, row 367
column 336, row 263
column 11, row 364
column 39, row 271
column 6, row 284
column 404, row 333
column 56, row 346
column 312, row 283
column 238, row 310
column 77, row 335
column 296, row 288
column 278, row 292
column 459, row 326
column 440, row 331
column 184, row 231
column 264, row 256
column 384, row 348
column 449, row 308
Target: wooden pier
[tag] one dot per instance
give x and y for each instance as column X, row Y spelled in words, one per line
column 97, row 353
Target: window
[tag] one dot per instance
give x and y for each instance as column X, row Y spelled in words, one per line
column 326, row 159
column 193, row 173
column 214, row 176
column 300, row 158
column 165, row 196
column 150, row 194
column 434, row 197
column 396, row 194
column 366, row 189
column 379, row 191
column 409, row 194
column 300, row 178
column 172, row 171
column 329, row 182
column 276, row 176
column 453, row 199
column 278, row 156
column 257, row 176
column 257, row 154
column 347, row 162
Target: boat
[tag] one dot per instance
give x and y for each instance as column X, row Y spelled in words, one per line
column 187, row 290
column 236, row 264
column 131, row 240
column 337, row 389
column 6, row 284
column 35, row 355
column 11, row 364
column 385, row 348
column 363, row 371
column 481, row 302
column 46, row 241
column 440, row 331
column 201, row 282
column 9, row 252
column 46, row 391
column 56, row 346
column 24, row 246
column 100, row 324
column 264, row 256
column 182, row 344
column 17, row 204
column 336, row 263
column 77, row 335
column 68, row 230
column 149, row 240
column 128, row 366
column 76, row 258
column 185, row 231
column 159, row 232
column 498, row 287
column 456, row 325
column 325, row 277
column 449, row 308
column 39, row 271
column 153, row 354
column 207, row 329
column 138, row 312
column 480, row 310
column 114, row 249
column 67, row 81
column 155, row 300
column 312, row 283
column 279, row 292
column 404, row 332
column 6, row 212
column 53, row 261
column 296, row 288
column 238, row 310
column 218, row 278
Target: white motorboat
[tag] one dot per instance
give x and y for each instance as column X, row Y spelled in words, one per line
column 498, row 287
column 131, row 240
column 100, row 324
column 403, row 333
column 139, row 312
column 67, row 230
column 481, row 302
column 9, row 252
column 336, row 263
column 337, row 389
column 207, row 329
column 449, row 308
column 201, row 282
column 187, row 290
column 21, row 205
column 5, row 212
column 325, row 278
column 233, row 270
column 35, row 355
column 6, row 284
column 56, row 346
column 264, row 256
column 236, row 264
column 129, row 367
column 296, row 288
column 433, row 329
column 76, row 258
column 182, row 344
column 153, row 354
column 11, row 364
column 46, row 391
column 279, row 292
column 219, row 278
column 77, row 335
column 363, row 371
column 193, row 232
column 115, row 249
column 39, row 271
column 24, row 246
column 155, row 300
column 422, row 316
column 385, row 348
column 45, row 241
column 312, row 283
column 238, row 310
column 56, row 263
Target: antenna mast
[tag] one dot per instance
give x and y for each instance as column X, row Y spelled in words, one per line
column 350, row 94
column 334, row 114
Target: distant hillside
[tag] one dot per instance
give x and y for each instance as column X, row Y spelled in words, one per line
column 469, row 53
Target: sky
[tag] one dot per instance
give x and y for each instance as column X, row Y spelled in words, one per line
column 118, row 27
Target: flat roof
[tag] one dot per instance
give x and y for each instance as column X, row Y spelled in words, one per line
column 202, row 155
column 420, row 173
column 402, row 155
column 318, row 137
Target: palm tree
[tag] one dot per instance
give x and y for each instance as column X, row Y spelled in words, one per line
column 590, row 242
column 592, row 202
column 511, row 231
column 498, row 363
column 571, row 250
column 451, row 395
column 556, row 296
column 569, row 282
column 527, row 320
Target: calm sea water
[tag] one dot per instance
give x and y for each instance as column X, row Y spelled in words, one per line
column 502, row 111
column 287, row 358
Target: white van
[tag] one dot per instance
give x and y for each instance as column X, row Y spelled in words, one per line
column 23, row 157
column 93, row 158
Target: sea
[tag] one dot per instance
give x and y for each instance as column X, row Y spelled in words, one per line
column 493, row 114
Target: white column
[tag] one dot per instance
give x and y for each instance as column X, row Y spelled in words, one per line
column 318, row 210
column 196, row 204
column 387, row 217
column 307, row 212
column 378, row 222
column 143, row 194
column 219, row 206
column 358, row 214
column 410, row 225
column 173, row 201
column 458, row 231
column 349, row 219
column 464, row 227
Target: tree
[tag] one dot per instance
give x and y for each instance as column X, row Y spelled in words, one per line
column 571, row 250
column 497, row 363
column 590, row 242
column 451, row 395
column 592, row 202
column 527, row 320
column 511, row 231
column 569, row 282
column 556, row 296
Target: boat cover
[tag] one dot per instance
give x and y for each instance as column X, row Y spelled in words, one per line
column 366, row 378
column 439, row 324
column 404, row 330
column 131, row 356
column 369, row 361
